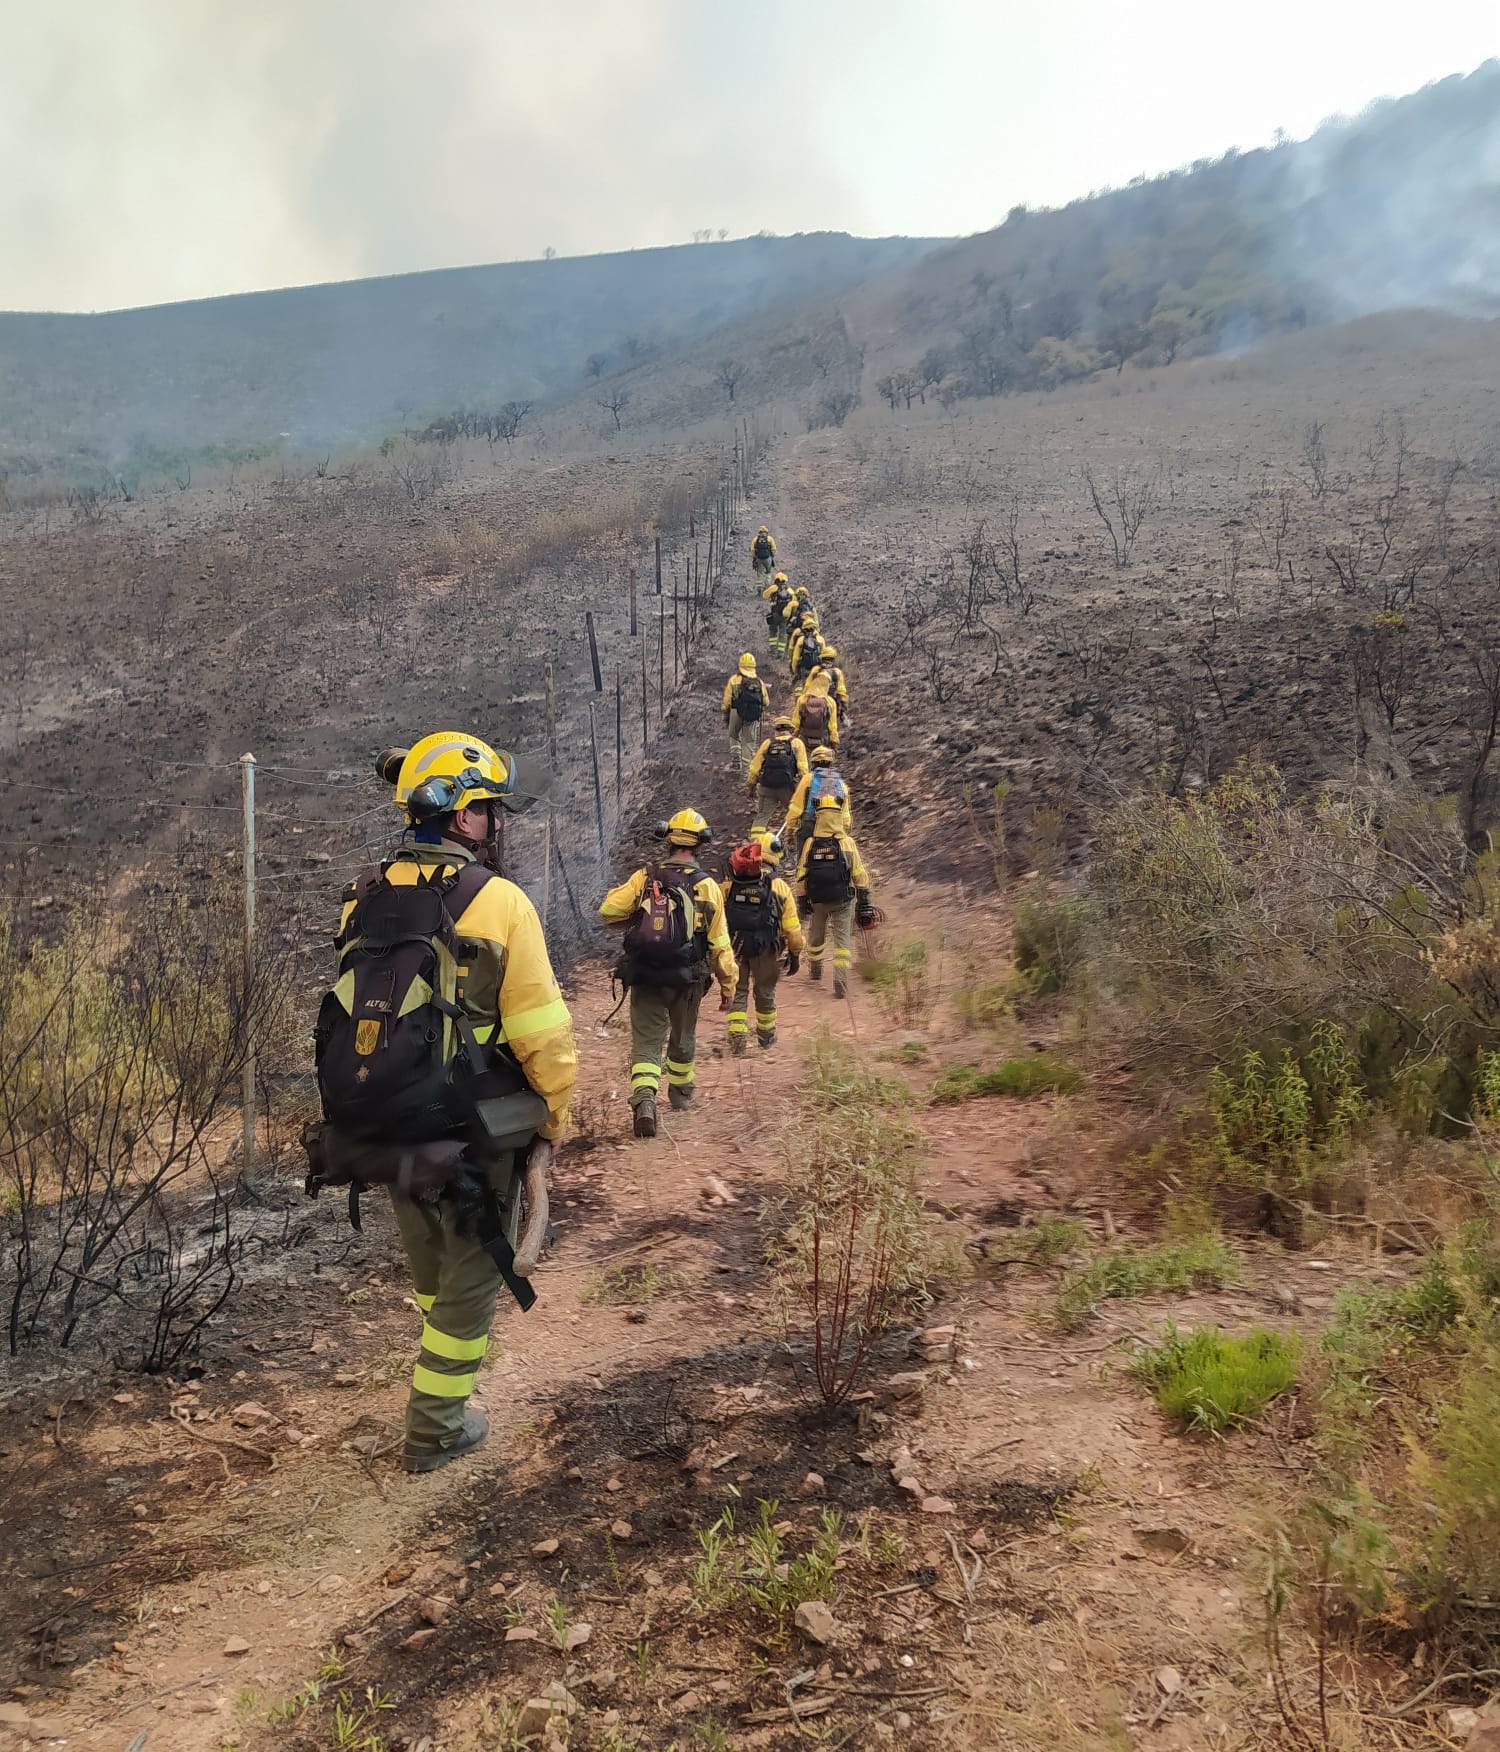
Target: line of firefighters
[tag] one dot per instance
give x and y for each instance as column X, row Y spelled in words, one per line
column 683, row 931
column 445, row 1055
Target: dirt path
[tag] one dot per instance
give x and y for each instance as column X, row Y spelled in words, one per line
column 1068, row 1574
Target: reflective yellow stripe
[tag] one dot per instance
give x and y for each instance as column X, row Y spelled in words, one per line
column 535, row 1021
column 441, row 1386
column 643, row 1068
column 424, row 1302
column 484, row 1031
column 766, row 1018
column 454, row 1350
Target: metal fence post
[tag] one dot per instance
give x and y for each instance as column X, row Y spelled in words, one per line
column 247, row 1090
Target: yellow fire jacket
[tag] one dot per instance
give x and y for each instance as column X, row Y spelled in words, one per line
column 732, row 692
column 771, row 539
column 621, row 904
column 834, row 676
column 796, row 812
column 791, row 925
column 823, row 828
column 799, row 749
column 506, row 986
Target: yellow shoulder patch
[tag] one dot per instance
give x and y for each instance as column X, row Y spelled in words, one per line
column 367, row 1036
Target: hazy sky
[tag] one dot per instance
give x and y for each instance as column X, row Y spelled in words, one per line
column 162, row 149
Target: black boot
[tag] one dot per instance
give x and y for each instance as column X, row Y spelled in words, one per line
column 645, row 1117
column 475, row 1433
column 681, row 1098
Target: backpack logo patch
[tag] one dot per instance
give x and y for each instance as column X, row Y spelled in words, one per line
column 366, row 1038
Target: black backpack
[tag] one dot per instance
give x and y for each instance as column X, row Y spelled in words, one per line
column 397, row 1059
column 778, row 768
column 750, row 913
column 810, row 654
column 663, row 943
column 762, row 547
column 830, row 881
column 750, row 699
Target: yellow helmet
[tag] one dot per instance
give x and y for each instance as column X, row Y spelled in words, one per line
column 822, row 755
column 780, row 578
column 747, row 664
column 688, row 828
column 769, row 841
column 802, row 590
column 447, row 771
column 829, row 654
column 763, row 530
column 830, row 800
column 785, row 723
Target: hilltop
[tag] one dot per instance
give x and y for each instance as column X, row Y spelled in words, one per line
column 318, row 366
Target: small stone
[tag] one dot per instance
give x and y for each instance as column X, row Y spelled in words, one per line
column 1169, row 1679
column 432, row 1609
column 1484, row 1736
column 124, row 1399
column 613, row 1484
column 1057, row 1666
column 936, row 1505
column 1462, row 1721
column 520, row 1633
column 908, row 1384
column 621, row 1530
column 813, row 1485
column 901, row 1721
column 715, row 1191
column 913, row 1487
column 577, row 1635
column 544, row 1548
column 419, row 1639
column 236, row 1645
column 251, row 1412
column 353, row 1640
column 262, row 1588
column 814, row 1618
column 979, row 1540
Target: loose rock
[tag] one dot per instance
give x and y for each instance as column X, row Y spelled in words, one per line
column 814, row 1618
column 236, row 1645
column 544, row 1548
column 813, row 1485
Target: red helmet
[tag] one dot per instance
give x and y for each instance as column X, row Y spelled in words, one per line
column 745, row 860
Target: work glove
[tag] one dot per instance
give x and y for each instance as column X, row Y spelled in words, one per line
column 863, row 911
column 804, row 907
column 793, row 962
column 725, row 999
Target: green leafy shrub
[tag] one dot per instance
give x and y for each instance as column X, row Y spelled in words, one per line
column 1174, row 1268
column 1211, row 1383
column 1019, row 1077
column 1050, row 944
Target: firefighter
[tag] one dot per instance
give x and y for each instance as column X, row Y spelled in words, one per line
column 762, row 553
column 801, row 603
column 780, row 765
column 676, row 946
column 838, row 685
column 763, row 924
column 816, row 715
column 778, row 596
column 746, row 699
column 449, row 788
column 834, row 886
column 824, row 780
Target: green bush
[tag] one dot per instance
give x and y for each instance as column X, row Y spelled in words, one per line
column 1211, row 1383
column 1174, row 1268
column 1049, row 944
column 1020, row 1077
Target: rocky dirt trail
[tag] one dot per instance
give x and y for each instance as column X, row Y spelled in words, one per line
column 1028, row 1557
